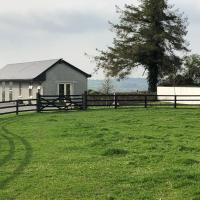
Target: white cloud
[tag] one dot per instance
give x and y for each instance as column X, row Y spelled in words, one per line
column 41, row 29
column 30, row 5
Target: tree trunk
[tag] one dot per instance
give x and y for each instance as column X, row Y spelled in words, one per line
column 153, row 79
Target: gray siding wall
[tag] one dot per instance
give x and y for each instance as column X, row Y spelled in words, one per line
column 62, row 73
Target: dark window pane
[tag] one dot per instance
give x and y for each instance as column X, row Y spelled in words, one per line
column 68, row 91
column 20, row 89
column 61, row 89
column 10, row 95
column 3, row 96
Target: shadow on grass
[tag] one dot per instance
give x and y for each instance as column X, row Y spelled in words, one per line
column 22, row 165
column 11, row 150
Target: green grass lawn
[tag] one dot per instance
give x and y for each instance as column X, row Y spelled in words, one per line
column 101, row 155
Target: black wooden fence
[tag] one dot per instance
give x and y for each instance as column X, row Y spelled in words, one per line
column 17, row 106
column 78, row 102
column 142, row 100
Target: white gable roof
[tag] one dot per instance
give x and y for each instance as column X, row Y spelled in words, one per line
column 29, row 70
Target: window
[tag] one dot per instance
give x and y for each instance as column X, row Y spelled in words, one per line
column 39, row 89
column 20, row 89
column 3, row 91
column 64, row 89
column 30, row 89
column 10, row 91
column 10, row 95
column 61, row 89
column 3, row 95
column 68, row 89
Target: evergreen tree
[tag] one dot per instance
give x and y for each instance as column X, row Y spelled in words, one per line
column 148, row 35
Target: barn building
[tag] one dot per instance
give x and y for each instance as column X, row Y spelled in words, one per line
column 48, row 77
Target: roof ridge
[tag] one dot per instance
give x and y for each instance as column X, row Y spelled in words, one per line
column 34, row 61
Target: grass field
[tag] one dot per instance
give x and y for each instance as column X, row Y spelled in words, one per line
column 119, row 154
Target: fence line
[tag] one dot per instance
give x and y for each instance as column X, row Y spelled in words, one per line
column 18, row 106
column 77, row 102
column 142, row 100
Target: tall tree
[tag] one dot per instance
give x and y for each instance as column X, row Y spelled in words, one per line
column 148, row 35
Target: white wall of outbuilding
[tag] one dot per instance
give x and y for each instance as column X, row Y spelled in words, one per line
column 187, row 91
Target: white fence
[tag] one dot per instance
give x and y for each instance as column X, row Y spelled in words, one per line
column 187, row 91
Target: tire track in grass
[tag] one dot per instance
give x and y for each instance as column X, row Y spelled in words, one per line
column 11, row 150
column 27, row 154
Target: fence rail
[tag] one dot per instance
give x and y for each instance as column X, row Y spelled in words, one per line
column 142, row 100
column 18, row 106
column 77, row 102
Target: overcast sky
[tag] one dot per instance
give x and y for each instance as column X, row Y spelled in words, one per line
column 44, row 29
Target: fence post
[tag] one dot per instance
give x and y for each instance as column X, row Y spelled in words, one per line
column 38, row 102
column 85, row 100
column 145, row 101
column 116, row 100
column 17, row 107
column 175, row 101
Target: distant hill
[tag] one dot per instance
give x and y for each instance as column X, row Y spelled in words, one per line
column 127, row 85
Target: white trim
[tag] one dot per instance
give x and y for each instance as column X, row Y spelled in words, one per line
column 71, row 82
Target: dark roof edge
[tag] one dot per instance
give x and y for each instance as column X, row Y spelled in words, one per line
column 31, row 79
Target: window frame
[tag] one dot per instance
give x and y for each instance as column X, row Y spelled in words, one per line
column 71, row 88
